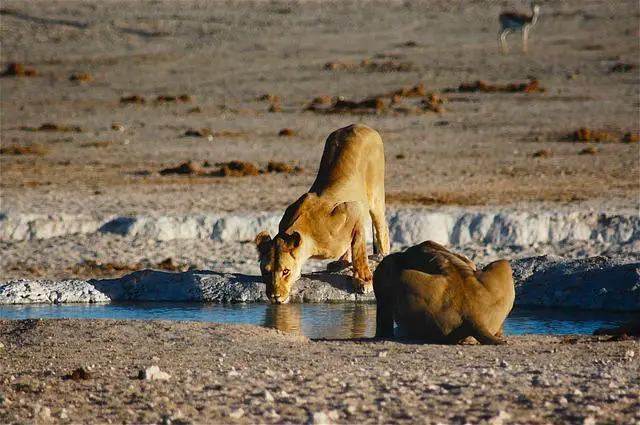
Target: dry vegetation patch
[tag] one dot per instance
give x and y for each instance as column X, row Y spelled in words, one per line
column 230, row 169
column 33, row 149
column 391, row 65
column 18, row 70
column 532, row 86
column 81, row 77
column 53, row 127
column 584, row 134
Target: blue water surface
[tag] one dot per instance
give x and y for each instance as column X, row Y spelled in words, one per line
column 346, row 320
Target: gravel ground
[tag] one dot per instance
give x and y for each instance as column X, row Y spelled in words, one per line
column 244, row 374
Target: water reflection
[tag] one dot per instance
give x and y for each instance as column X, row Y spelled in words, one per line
column 325, row 321
column 284, row 317
column 346, row 320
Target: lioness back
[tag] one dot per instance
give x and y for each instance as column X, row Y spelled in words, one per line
column 353, row 159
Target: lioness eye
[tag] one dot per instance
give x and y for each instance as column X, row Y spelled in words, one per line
column 285, row 272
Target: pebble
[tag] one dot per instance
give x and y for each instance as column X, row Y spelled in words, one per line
column 323, row 417
column 500, row 418
column 153, row 373
column 236, row 414
column 271, row 414
column 628, row 354
column 268, row 396
column 42, row 413
column 1, row 346
column 383, row 353
column 589, row 420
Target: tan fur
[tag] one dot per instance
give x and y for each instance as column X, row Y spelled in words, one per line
column 436, row 295
column 329, row 221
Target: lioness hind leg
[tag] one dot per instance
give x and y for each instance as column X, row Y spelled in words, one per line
column 482, row 334
column 381, row 244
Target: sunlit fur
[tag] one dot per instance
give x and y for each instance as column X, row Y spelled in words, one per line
column 439, row 296
column 329, row 221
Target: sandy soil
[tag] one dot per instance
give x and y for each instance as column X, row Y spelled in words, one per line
column 243, row 374
column 228, row 54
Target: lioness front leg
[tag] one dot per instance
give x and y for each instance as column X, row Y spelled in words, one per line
column 361, row 273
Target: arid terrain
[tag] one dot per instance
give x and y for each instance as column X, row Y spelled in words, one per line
column 243, row 374
column 106, row 95
column 225, row 56
column 101, row 99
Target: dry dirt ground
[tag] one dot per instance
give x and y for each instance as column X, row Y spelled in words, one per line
column 242, row 374
column 226, row 55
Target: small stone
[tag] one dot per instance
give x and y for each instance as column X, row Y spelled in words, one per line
column 153, row 373
column 233, row 373
column 271, row 414
column 629, row 354
column 562, row 401
column 63, row 414
column 503, row 363
column 589, row 420
column 237, row 414
column 383, row 353
column 42, row 413
column 117, row 127
column 322, row 417
column 268, row 396
column 500, row 418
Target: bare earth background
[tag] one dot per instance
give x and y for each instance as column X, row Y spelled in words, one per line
column 226, row 55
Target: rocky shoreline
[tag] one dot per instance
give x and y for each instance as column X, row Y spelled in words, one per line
column 545, row 281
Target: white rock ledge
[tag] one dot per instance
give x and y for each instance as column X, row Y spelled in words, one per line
column 407, row 227
column 592, row 283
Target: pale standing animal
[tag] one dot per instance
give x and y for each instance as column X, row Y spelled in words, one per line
column 513, row 21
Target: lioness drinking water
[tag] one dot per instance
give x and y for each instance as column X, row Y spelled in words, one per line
column 439, row 296
column 329, row 221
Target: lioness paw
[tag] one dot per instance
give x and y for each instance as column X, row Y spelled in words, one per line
column 364, row 275
column 363, row 287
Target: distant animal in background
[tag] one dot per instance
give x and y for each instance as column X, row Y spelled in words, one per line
column 513, row 21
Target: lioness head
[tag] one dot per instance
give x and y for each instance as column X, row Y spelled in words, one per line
column 280, row 263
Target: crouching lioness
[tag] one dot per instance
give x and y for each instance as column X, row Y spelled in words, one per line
column 436, row 295
column 329, row 221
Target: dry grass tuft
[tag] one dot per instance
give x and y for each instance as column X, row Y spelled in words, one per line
column 18, row 70
column 34, row 149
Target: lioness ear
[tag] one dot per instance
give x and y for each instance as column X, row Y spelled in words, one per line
column 295, row 239
column 262, row 241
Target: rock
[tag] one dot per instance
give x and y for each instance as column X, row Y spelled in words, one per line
column 500, row 418
column 153, row 373
column 406, row 227
column 555, row 282
column 42, row 413
column 268, row 397
column 78, row 374
column 323, row 417
column 237, row 413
